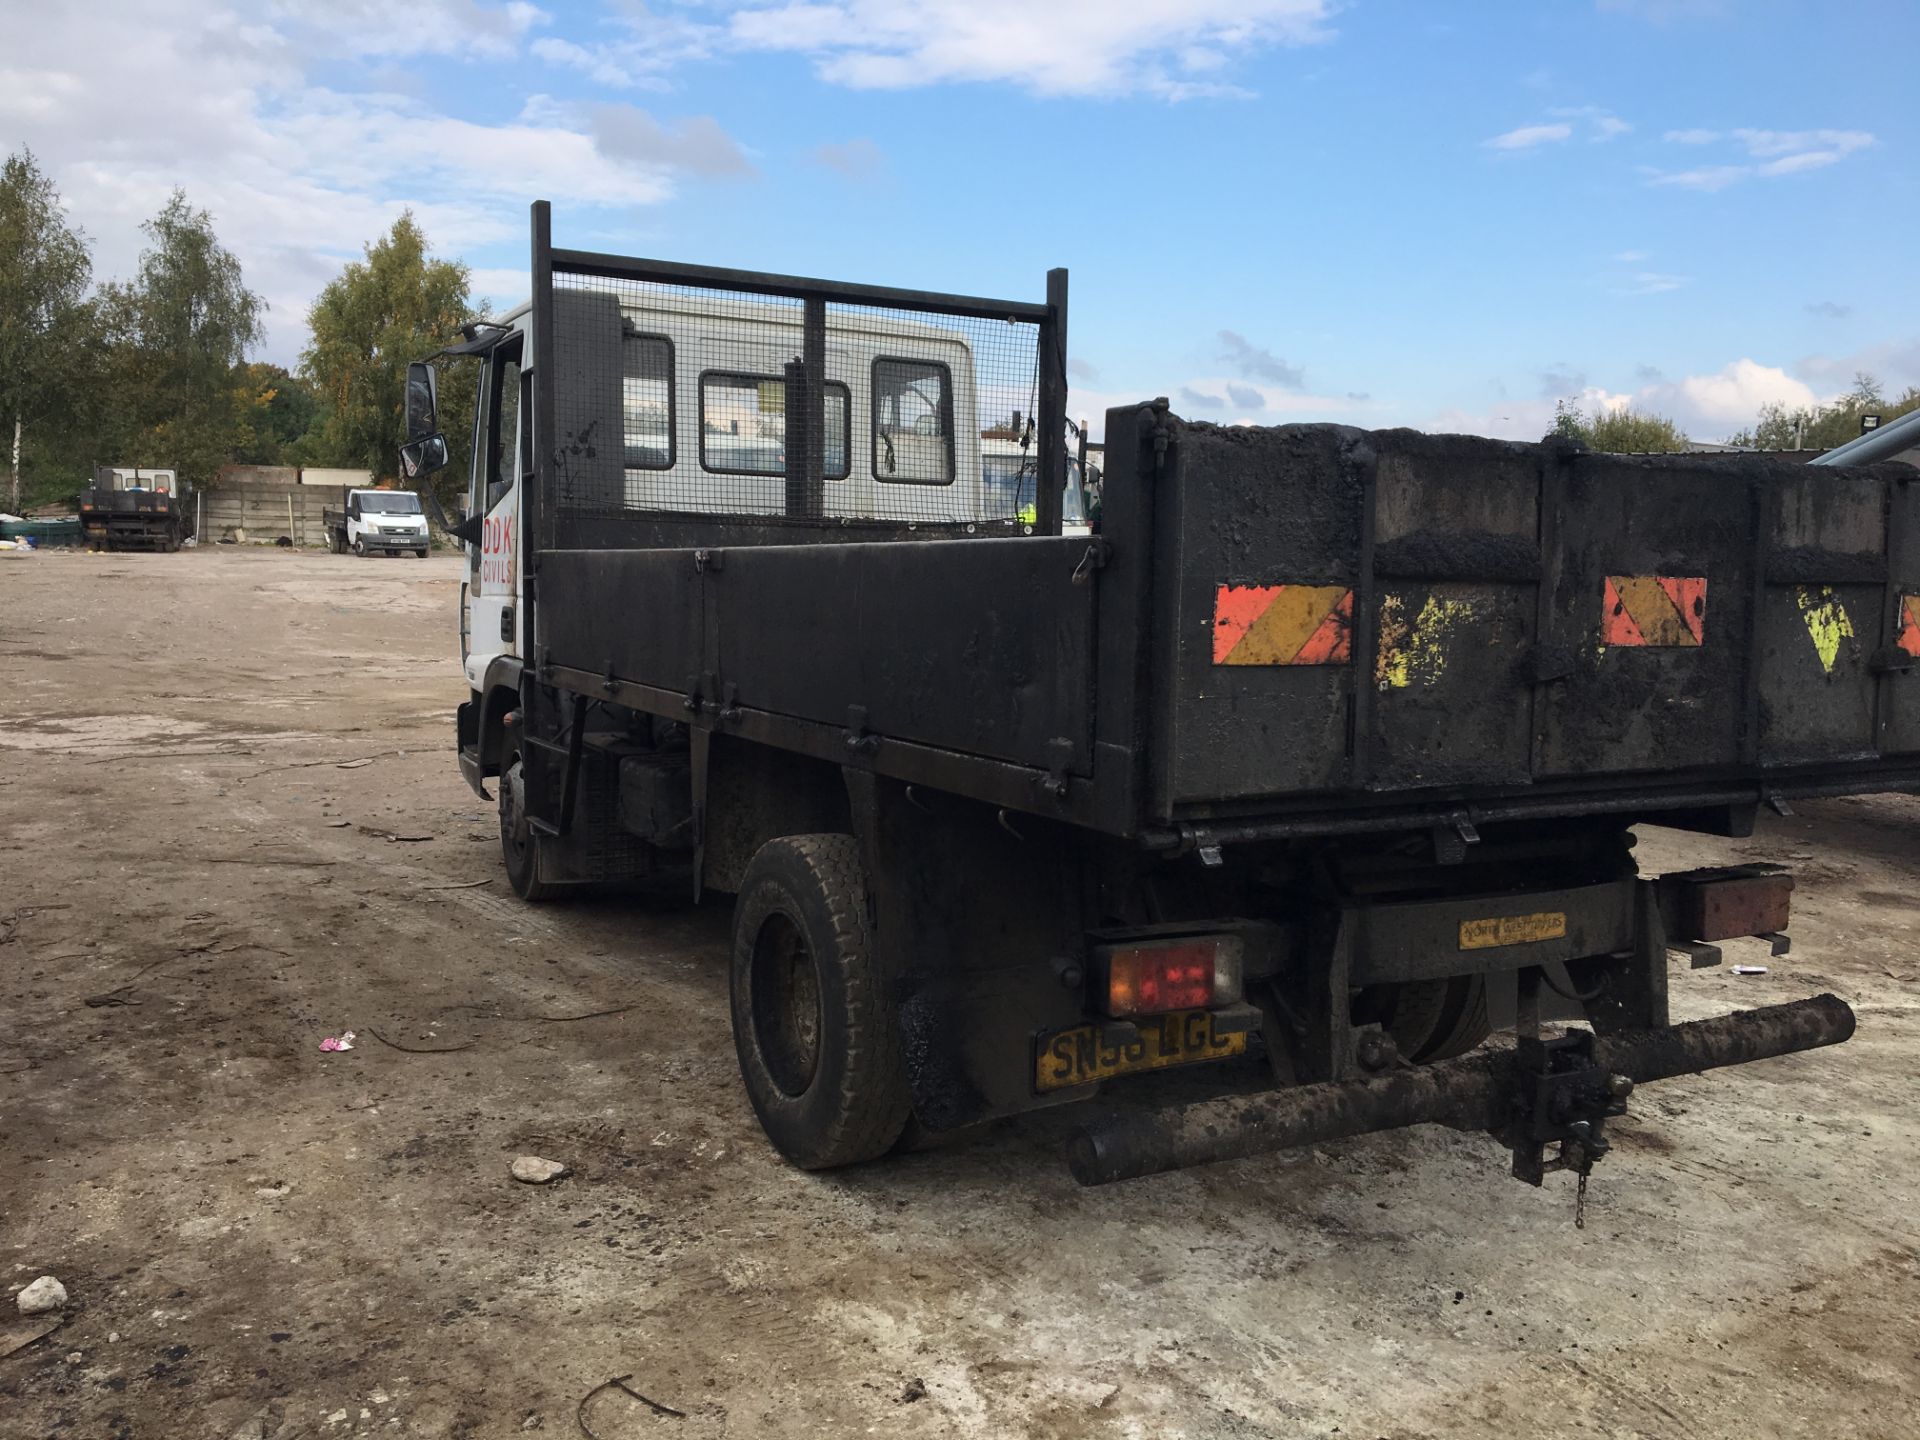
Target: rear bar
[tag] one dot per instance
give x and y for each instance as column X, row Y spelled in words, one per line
column 1475, row 1092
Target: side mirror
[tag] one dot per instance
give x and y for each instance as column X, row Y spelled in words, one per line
column 423, row 411
column 420, row 458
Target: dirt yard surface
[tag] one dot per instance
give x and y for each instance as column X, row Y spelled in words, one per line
column 231, row 826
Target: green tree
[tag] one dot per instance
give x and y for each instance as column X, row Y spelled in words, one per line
column 282, row 412
column 396, row 306
column 1821, row 427
column 44, row 269
column 180, row 334
column 1619, row 432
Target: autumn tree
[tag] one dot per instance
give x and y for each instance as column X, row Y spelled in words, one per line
column 44, row 269
column 397, row 305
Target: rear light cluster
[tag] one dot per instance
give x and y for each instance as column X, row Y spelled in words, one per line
column 1194, row 972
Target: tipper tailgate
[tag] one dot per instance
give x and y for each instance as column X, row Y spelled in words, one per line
column 1389, row 612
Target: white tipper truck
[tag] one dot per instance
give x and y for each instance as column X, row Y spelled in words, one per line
column 378, row 522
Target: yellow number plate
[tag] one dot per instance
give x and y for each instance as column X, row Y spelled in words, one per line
column 1077, row 1057
column 1512, row 930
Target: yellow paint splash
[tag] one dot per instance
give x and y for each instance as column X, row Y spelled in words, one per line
column 1827, row 622
column 1416, row 653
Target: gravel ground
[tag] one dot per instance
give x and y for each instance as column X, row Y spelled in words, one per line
column 231, row 826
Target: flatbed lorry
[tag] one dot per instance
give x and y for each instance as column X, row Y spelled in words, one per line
column 1326, row 747
column 135, row 508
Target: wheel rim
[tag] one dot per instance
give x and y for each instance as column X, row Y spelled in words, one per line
column 786, row 1004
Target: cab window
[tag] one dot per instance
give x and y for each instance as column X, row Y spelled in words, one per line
column 912, row 422
column 503, row 421
column 646, row 385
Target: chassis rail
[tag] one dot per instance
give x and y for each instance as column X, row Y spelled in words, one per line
column 1487, row 1091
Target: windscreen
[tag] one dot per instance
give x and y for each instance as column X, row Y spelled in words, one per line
column 392, row 503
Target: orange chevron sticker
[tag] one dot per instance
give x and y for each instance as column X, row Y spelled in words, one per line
column 1654, row 611
column 1907, row 626
column 1282, row 625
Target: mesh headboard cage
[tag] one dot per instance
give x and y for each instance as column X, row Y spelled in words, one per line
column 685, row 392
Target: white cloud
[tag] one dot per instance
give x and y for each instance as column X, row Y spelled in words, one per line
column 1528, row 136
column 1770, row 154
column 643, row 47
column 1704, row 177
column 1764, row 143
column 1651, row 282
column 382, row 29
column 1602, row 124
column 1895, row 363
column 297, row 176
column 1254, row 404
column 1705, row 406
column 1725, row 400
column 1596, row 122
column 1062, row 47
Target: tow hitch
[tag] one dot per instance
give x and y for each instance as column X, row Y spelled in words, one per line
column 1565, row 1097
column 1558, row 1091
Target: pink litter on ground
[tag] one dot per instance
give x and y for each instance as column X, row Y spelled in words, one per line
column 338, row 1042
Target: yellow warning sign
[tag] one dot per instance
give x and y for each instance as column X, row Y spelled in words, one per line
column 1282, row 625
column 1501, row 930
column 1826, row 620
column 1653, row 611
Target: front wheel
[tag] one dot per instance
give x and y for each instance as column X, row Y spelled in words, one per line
column 519, row 842
column 360, row 548
column 813, row 1020
column 421, row 554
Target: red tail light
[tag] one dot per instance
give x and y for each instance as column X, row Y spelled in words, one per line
column 1154, row 976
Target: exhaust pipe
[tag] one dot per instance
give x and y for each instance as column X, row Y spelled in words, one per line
column 1476, row 1092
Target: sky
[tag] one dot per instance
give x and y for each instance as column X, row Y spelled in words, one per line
column 1378, row 212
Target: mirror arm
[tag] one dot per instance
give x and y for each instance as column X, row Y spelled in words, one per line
column 467, row 531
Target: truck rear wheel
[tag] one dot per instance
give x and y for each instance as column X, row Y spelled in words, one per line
column 1429, row 1020
column 813, row 1023
column 519, row 844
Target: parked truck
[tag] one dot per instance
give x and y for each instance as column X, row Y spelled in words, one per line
column 1326, row 748
column 128, row 507
column 377, row 522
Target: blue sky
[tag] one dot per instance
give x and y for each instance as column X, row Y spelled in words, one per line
column 1381, row 213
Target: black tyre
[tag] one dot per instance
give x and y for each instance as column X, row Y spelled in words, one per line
column 813, row 1022
column 421, row 553
column 360, row 548
column 519, row 844
column 1429, row 1020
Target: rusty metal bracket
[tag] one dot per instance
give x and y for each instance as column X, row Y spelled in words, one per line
column 1098, row 553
